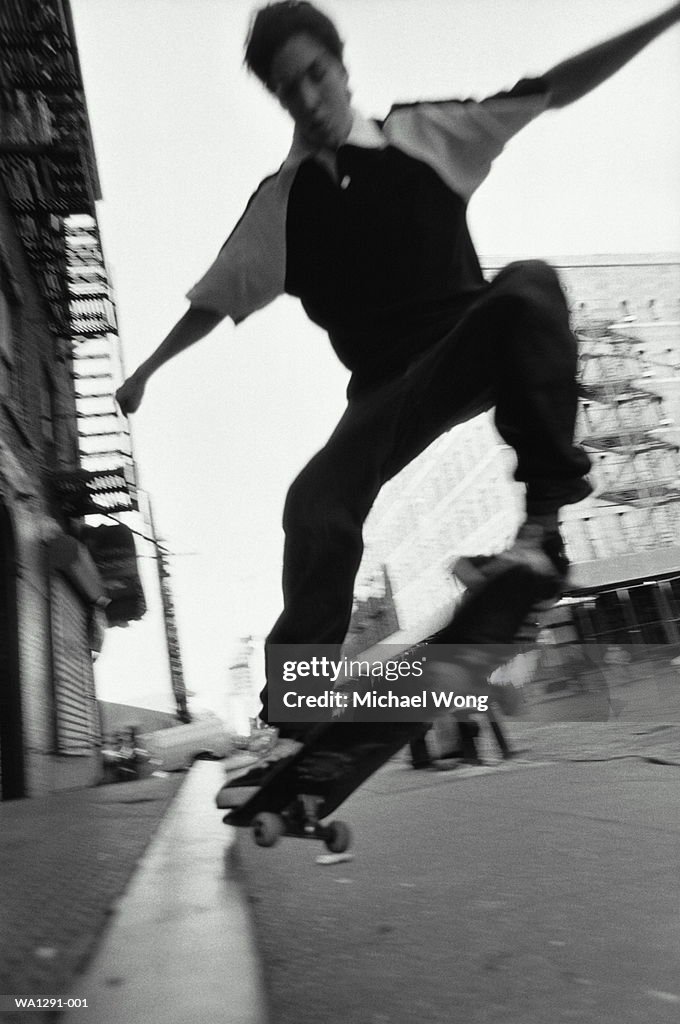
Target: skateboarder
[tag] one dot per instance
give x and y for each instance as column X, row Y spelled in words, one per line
column 365, row 223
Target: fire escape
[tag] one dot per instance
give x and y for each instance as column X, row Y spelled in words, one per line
column 48, row 170
column 623, row 423
column 49, row 175
column 107, row 471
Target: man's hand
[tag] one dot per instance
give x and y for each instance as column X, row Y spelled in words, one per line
column 129, row 395
column 193, row 326
column 576, row 76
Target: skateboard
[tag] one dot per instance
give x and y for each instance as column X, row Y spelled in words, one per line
column 335, row 759
column 339, row 756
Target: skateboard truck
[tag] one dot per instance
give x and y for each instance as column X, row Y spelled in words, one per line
column 301, row 819
column 309, row 805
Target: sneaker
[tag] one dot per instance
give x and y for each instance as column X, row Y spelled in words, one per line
column 230, row 797
column 253, row 770
column 542, row 552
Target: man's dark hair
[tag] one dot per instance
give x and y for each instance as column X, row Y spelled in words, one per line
column 273, row 25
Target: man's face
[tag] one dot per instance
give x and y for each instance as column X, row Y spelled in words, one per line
column 311, row 84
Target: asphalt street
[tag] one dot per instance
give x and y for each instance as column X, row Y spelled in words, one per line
column 536, row 890
column 529, row 894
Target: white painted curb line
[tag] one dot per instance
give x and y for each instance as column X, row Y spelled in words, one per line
column 180, row 947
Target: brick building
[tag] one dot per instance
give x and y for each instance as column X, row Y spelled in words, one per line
column 57, row 470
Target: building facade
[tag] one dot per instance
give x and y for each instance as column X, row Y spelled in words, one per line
column 58, row 589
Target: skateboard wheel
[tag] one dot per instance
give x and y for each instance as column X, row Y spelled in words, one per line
column 267, row 828
column 338, row 837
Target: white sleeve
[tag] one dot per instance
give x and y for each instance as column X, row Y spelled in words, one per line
column 250, row 269
column 460, row 139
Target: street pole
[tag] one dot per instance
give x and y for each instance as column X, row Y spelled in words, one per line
column 170, row 624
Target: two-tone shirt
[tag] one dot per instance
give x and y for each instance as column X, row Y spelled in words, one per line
column 373, row 237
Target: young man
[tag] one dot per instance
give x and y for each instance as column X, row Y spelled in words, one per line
column 365, row 223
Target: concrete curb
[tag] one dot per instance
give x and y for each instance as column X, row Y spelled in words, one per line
column 180, row 946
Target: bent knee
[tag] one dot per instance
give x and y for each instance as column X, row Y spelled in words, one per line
column 313, row 506
column 531, row 272
column 533, row 282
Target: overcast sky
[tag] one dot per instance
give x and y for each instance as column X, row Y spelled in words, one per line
column 183, row 135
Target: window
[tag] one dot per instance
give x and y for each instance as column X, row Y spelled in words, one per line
column 609, row 620
column 648, row 613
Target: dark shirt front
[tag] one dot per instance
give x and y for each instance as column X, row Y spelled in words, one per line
column 381, row 263
column 373, row 239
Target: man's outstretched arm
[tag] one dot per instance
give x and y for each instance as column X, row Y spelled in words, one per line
column 190, row 328
column 575, row 77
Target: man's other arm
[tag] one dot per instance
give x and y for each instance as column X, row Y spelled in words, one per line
column 190, row 328
column 578, row 75
column 247, row 274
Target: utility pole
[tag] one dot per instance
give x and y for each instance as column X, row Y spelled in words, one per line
column 170, row 623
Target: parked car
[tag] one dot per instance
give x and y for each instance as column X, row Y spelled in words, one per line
column 172, row 749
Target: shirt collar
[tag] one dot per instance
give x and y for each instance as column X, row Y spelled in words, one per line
column 363, row 133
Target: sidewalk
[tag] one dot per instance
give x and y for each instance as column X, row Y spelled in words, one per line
column 657, row 743
column 180, row 948
column 64, row 859
column 130, row 884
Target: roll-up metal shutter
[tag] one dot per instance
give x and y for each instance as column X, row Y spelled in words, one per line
column 76, row 709
column 12, row 767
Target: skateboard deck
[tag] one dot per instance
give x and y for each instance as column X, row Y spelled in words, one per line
column 339, row 756
column 336, row 758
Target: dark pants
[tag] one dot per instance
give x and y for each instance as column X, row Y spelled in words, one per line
column 512, row 349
